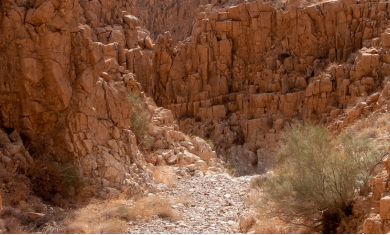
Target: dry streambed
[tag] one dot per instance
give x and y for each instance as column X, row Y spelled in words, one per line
column 206, row 204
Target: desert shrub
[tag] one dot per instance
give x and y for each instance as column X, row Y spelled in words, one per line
column 211, row 143
column 319, row 174
column 230, row 168
column 140, row 122
column 70, row 175
column 54, row 183
column 258, row 181
column 46, row 180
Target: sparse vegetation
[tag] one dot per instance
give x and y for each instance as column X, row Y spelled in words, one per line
column 55, row 184
column 374, row 126
column 230, row 168
column 273, row 226
column 246, row 223
column 154, row 205
column 319, row 175
column 258, row 181
column 140, row 122
column 70, row 175
column 113, row 217
column 211, row 143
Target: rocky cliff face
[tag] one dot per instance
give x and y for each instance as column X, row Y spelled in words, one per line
column 177, row 17
column 66, row 69
column 249, row 71
column 52, row 93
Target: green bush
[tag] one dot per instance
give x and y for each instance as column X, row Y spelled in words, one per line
column 318, row 174
column 70, row 175
column 140, row 122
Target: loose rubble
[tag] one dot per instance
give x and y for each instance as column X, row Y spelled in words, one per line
column 212, row 204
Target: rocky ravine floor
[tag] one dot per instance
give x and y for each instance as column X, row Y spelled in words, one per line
column 207, row 204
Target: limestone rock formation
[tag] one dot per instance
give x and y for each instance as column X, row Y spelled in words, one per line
column 249, row 71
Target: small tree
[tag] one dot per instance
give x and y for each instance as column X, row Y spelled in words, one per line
column 318, row 174
column 140, row 122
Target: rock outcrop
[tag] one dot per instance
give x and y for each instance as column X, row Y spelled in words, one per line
column 177, row 17
column 249, row 71
column 370, row 214
column 66, row 69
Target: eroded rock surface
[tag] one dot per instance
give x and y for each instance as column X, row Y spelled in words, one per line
column 249, row 71
column 67, row 68
column 177, row 17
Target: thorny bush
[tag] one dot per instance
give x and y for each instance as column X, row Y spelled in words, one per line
column 320, row 175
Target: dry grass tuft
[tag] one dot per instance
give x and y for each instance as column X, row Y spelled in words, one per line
column 165, row 175
column 112, row 217
column 154, row 205
column 230, row 168
column 272, row 226
column 253, row 198
column 98, row 218
column 211, row 143
column 246, row 223
column 375, row 126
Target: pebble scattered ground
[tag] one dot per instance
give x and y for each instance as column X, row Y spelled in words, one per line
column 208, row 204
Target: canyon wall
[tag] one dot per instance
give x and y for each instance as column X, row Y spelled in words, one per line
column 249, row 71
column 66, row 69
column 53, row 95
column 246, row 73
column 177, row 16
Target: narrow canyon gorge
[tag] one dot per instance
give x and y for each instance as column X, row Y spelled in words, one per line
column 219, row 82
